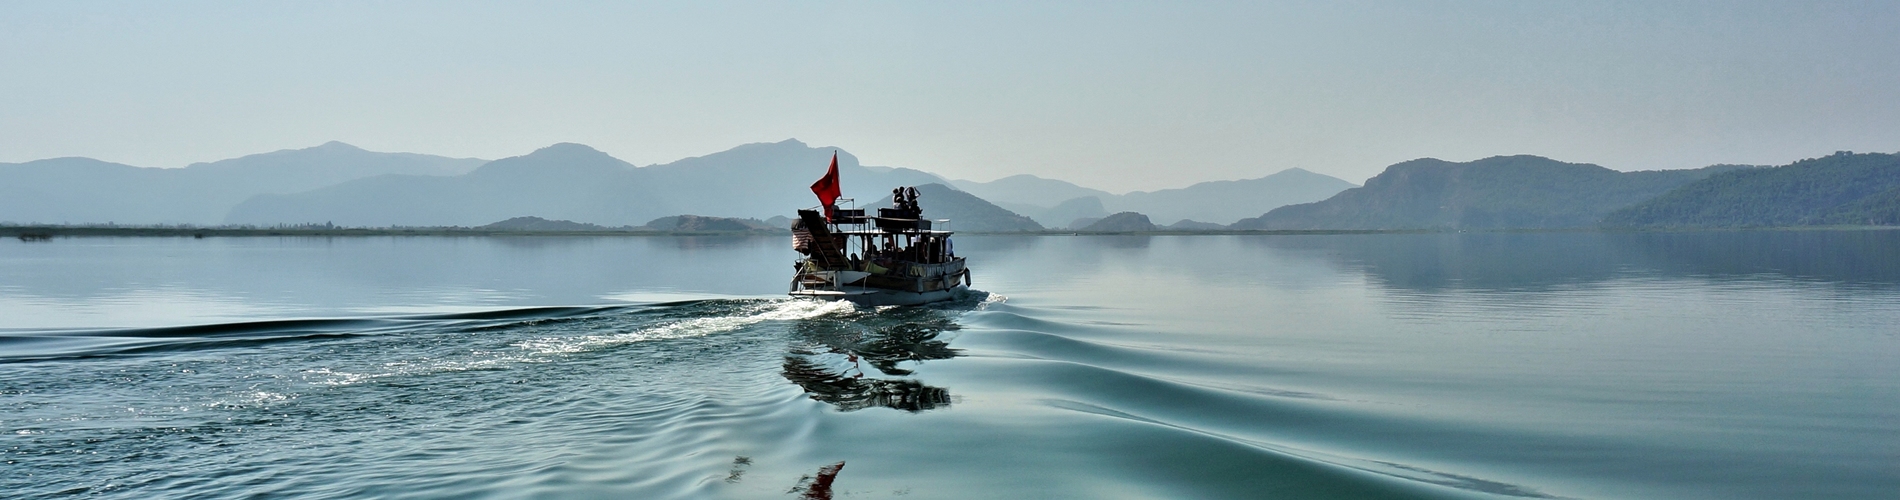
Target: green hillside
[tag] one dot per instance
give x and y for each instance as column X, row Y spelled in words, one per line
column 1839, row 189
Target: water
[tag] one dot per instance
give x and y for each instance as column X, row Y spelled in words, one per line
column 1565, row 365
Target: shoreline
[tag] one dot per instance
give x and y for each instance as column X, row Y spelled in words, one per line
column 44, row 232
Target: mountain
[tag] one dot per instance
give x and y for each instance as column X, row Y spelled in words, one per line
column 1193, row 225
column 767, row 179
column 688, row 223
column 698, row 223
column 1843, row 188
column 540, row 224
column 563, row 181
column 965, row 211
column 575, row 182
column 1057, row 203
column 1492, row 193
column 1229, row 201
column 333, row 162
column 1028, row 190
column 1124, row 222
column 1063, row 214
column 84, row 190
column 76, row 190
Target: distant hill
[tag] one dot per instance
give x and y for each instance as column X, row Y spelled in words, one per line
column 540, row 224
column 965, row 211
column 84, row 190
column 1844, row 188
column 330, row 163
column 1228, row 201
column 1492, row 193
column 1124, row 222
column 767, row 179
column 563, row 181
column 1193, row 225
column 1057, row 203
column 699, row 223
column 576, row 182
column 1063, row 214
column 686, row 223
column 1028, row 190
column 75, row 190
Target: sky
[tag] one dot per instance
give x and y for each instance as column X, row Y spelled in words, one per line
column 1112, row 95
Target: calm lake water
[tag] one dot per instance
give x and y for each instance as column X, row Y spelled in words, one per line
column 1542, row 365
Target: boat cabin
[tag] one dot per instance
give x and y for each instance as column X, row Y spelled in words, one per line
column 847, row 251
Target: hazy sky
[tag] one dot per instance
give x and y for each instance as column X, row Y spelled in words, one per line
column 1113, row 95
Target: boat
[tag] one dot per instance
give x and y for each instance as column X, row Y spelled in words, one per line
column 894, row 258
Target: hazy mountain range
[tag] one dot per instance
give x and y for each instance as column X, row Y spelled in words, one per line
column 575, row 184
column 84, row 190
column 683, row 223
column 1059, row 204
column 341, row 184
column 1493, row 193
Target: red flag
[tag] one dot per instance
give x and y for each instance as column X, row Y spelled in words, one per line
column 827, row 187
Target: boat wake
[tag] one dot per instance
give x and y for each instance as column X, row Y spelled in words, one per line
column 729, row 398
column 43, row 345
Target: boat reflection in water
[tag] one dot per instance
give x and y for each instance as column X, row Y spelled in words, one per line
column 831, row 356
